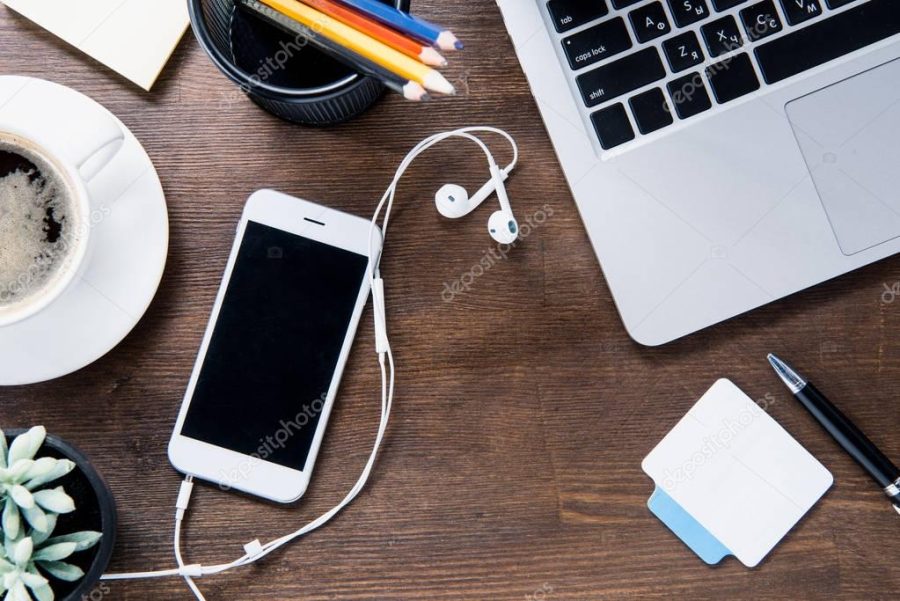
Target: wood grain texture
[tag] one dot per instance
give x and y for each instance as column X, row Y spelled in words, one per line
column 512, row 466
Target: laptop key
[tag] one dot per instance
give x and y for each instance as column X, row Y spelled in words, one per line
column 651, row 111
column 569, row 14
column 612, row 126
column 597, row 43
column 689, row 96
column 732, row 78
column 623, row 3
column 721, row 5
column 798, row 11
column 722, row 36
column 828, row 39
column 621, row 76
column 649, row 22
column 683, row 51
column 837, row 3
column 688, row 12
column 761, row 20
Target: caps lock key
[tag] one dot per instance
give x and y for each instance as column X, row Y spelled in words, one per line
column 597, row 43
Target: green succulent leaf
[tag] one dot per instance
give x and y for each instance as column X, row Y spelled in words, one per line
column 41, row 468
column 22, row 552
column 27, row 444
column 22, row 496
column 9, row 545
column 55, row 500
column 83, row 540
column 9, row 579
column 37, row 518
column 62, row 467
column 18, row 592
column 33, row 580
column 62, row 570
column 55, row 552
column 4, row 449
column 15, row 474
column 5, row 566
column 40, row 538
column 11, row 521
column 44, row 593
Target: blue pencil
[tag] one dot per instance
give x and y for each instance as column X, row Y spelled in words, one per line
column 406, row 23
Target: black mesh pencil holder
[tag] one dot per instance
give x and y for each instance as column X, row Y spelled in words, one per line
column 281, row 72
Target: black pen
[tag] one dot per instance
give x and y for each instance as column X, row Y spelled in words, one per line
column 885, row 473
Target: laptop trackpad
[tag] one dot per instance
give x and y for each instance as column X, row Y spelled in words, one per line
column 849, row 134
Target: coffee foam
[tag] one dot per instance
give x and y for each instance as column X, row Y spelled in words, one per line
column 38, row 224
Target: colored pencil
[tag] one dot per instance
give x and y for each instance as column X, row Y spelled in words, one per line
column 382, row 33
column 410, row 90
column 360, row 43
column 406, row 23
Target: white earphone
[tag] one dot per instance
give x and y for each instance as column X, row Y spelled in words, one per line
column 452, row 201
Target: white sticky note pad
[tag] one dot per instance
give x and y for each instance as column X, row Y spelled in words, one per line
column 739, row 474
column 133, row 37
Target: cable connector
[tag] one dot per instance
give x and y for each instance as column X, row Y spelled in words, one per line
column 381, row 337
column 253, row 549
column 194, row 570
column 184, row 498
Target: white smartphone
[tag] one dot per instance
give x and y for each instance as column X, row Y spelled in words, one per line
column 268, row 369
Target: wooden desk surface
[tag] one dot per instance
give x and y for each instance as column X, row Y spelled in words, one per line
column 523, row 410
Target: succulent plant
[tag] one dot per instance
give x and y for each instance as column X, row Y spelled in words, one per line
column 21, row 478
column 25, row 559
column 30, row 553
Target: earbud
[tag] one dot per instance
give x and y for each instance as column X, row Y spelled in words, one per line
column 452, row 201
column 502, row 225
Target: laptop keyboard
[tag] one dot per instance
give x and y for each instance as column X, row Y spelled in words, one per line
column 642, row 65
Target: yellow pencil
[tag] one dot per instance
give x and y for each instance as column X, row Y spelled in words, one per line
column 364, row 45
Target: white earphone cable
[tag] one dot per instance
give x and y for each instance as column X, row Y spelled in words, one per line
column 255, row 551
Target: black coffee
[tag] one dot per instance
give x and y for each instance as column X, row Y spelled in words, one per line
column 38, row 223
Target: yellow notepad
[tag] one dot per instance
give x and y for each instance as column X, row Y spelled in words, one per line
column 135, row 38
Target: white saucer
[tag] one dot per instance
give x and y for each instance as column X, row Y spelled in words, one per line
column 130, row 247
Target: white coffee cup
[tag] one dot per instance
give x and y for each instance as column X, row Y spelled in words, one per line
column 78, row 154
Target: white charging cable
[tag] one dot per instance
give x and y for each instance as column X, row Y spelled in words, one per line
column 254, row 551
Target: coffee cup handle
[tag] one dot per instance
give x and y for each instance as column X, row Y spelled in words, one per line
column 93, row 156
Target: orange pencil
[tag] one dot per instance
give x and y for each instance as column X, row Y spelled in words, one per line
column 382, row 33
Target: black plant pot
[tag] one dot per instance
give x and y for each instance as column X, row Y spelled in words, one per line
column 96, row 510
column 316, row 90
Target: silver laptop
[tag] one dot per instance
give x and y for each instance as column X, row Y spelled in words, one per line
column 722, row 153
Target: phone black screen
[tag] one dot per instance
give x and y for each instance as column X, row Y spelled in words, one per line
column 275, row 346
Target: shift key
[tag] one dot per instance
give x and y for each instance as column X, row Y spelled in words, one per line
column 620, row 77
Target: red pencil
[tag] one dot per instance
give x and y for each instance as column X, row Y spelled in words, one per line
column 382, row 33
